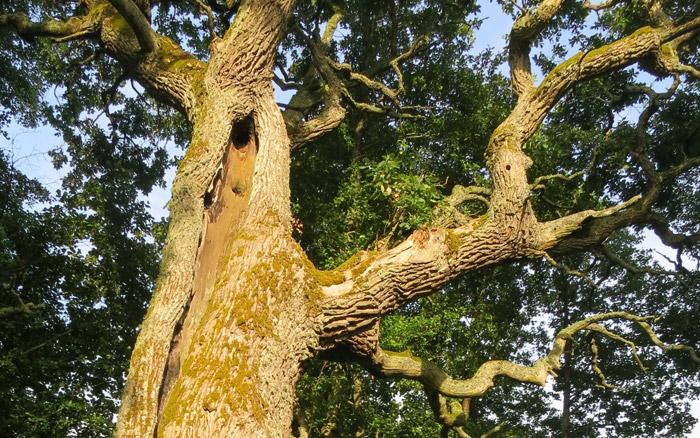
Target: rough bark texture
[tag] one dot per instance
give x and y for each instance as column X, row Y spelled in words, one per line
column 213, row 356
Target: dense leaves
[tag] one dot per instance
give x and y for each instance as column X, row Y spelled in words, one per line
column 78, row 264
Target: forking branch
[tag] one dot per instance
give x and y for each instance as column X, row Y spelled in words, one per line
column 371, row 285
column 326, row 82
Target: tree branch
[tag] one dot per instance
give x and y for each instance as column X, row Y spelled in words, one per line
column 615, row 337
column 597, row 229
column 524, row 31
column 210, row 17
column 138, row 22
column 375, row 284
column 370, row 285
column 73, row 28
column 333, row 113
column 568, row 271
column 552, row 232
column 600, row 6
column 448, row 214
column 384, row 363
column 645, row 41
column 662, row 229
column 167, row 71
column 312, row 94
column 254, row 36
column 540, row 181
column 596, row 368
column 327, row 120
column 619, row 261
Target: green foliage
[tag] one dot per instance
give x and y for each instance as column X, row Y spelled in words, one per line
column 343, row 186
column 377, row 200
column 72, row 287
column 78, row 264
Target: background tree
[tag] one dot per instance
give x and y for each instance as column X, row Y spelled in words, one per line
column 391, row 111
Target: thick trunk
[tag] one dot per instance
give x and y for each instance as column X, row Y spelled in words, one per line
column 232, row 316
column 231, row 356
column 235, row 360
column 242, row 343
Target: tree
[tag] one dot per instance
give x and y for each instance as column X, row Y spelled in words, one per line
column 239, row 307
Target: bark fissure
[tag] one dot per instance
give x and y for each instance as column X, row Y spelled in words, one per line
column 172, row 368
column 220, row 222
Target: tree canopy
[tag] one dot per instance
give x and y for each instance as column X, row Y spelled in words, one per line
column 394, row 112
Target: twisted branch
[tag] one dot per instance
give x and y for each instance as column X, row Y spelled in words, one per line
column 405, row 365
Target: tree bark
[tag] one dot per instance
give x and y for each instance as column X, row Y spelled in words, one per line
column 232, row 316
column 222, row 358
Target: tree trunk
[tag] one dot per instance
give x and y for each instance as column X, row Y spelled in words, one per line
column 240, row 337
column 235, row 361
column 234, row 312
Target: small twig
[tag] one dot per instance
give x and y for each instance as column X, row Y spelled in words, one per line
column 210, row 17
column 599, row 6
column 573, row 272
column 72, row 36
column 667, row 347
column 46, row 342
column 633, row 347
column 617, row 260
column 538, row 184
column 594, row 363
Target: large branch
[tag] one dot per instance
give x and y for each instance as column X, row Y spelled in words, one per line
column 646, row 41
column 138, row 22
column 507, row 162
column 330, row 117
column 372, row 284
column 313, row 94
column 249, row 45
column 167, row 72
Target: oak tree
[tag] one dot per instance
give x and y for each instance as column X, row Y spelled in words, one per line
column 250, row 290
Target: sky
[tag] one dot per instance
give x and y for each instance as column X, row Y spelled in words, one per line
column 28, row 148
